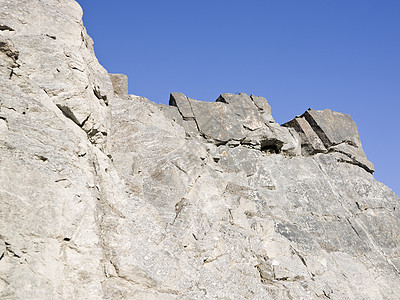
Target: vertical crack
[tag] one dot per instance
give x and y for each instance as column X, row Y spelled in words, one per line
column 351, row 225
column 317, row 129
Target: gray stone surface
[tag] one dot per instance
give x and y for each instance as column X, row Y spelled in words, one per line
column 180, row 101
column 217, row 122
column 110, row 197
column 333, row 127
column 49, row 45
column 236, row 119
column 329, row 131
column 120, row 84
column 310, row 142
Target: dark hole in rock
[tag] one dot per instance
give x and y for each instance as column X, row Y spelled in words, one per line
column 67, row 239
column 5, row 27
column 42, row 158
column 271, row 146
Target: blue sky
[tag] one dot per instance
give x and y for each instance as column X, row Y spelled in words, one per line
column 338, row 54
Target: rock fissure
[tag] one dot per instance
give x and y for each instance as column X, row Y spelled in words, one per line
column 317, row 129
column 6, row 28
column 352, row 227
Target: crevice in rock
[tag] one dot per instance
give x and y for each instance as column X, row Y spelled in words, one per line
column 13, row 253
column 68, row 113
column 208, row 259
column 350, row 143
column 194, row 117
column 299, row 256
column 10, row 108
column 317, row 129
column 178, row 167
column 221, row 99
column 41, row 157
column 98, row 94
column 249, row 128
column 273, row 146
column 359, row 207
column 51, row 36
column 84, row 121
column 255, row 104
column 285, row 278
column 6, row 28
column 12, row 72
column 326, row 294
column 355, row 163
column 352, row 227
column 178, row 208
column 115, row 266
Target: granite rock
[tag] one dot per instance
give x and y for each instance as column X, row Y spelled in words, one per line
column 120, row 84
column 329, row 131
column 106, row 195
column 236, row 119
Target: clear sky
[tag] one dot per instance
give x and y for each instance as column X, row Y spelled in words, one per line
column 338, row 54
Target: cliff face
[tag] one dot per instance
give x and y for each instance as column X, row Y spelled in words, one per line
column 106, row 195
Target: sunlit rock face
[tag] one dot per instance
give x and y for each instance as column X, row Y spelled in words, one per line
column 106, row 195
column 327, row 131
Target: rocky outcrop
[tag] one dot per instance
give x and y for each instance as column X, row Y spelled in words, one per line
column 236, row 120
column 106, row 195
column 329, row 131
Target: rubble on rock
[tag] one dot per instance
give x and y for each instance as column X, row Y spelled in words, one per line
column 106, row 195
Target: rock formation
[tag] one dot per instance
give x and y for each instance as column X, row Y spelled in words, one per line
column 106, row 195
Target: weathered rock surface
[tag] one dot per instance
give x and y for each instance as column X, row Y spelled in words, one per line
column 236, row 120
column 45, row 43
column 110, row 196
column 330, row 131
column 120, row 84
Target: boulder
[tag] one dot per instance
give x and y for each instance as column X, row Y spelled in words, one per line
column 323, row 131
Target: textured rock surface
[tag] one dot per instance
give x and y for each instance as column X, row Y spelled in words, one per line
column 110, row 196
column 236, row 120
column 330, row 131
column 120, row 84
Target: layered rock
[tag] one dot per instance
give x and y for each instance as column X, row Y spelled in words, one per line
column 45, row 42
column 120, row 84
column 236, row 120
column 329, row 131
column 106, row 195
column 266, row 224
